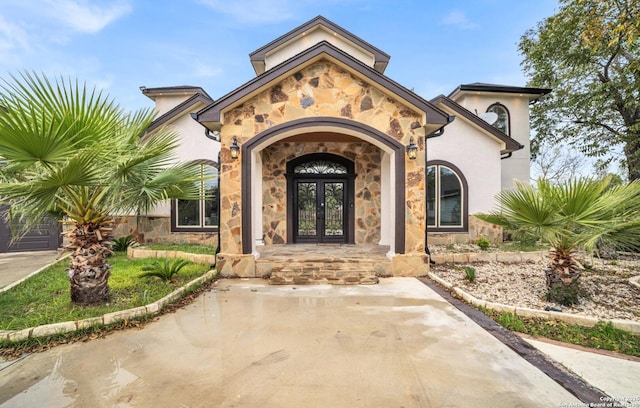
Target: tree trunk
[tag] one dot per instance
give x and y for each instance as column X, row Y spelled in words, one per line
column 89, row 271
column 562, row 278
column 632, row 154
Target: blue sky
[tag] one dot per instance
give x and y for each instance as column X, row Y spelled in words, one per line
column 120, row 45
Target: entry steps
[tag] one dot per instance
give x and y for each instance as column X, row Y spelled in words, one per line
column 301, row 270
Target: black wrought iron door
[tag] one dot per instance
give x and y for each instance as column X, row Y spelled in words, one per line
column 320, row 210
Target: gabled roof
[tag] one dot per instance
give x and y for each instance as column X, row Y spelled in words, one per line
column 511, row 144
column 151, row 93
column 211, row 116
column 381, row 59
column 200, row 97
column 533, row 93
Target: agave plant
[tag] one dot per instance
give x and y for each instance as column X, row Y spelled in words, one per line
column 574, row 216
column 164, row 269
column 71, row 151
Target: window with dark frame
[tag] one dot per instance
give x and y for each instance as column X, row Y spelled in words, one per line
column 445, row 198
column 199, row 215
column 503, row 122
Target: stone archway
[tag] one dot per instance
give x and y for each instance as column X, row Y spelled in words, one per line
column 393, row 176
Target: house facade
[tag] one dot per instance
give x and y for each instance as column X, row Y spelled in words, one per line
column 321, row 148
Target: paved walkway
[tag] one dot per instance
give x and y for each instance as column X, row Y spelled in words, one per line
column 247, row 344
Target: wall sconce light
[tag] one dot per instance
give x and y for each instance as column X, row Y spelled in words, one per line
column 412, row 149
column 234, row 148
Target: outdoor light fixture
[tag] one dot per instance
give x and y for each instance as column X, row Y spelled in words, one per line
column 235, row 149
column 412, row 149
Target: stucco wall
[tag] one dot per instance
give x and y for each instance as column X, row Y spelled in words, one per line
column 478, row 158
column 309, row 40
column 165, row 103
column 193, row 145
column 366, row 158
column 320, row 89
column 518, row 165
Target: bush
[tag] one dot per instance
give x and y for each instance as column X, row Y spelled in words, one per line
column 483, row 243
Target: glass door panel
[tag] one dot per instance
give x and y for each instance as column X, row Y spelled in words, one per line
column 333, row 209
column 306, row 209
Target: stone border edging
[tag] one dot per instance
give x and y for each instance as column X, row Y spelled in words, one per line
column 151, row 309
column 139, row 253
column 587, row 321
column 505, row 257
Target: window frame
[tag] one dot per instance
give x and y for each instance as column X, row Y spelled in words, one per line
column 464, row 227
column 201, row 205
column 499, row 105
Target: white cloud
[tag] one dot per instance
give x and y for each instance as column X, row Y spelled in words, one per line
column 458, row 19
column 12, row 37
column 84, row 17
column 32, row 32
column 254, row 11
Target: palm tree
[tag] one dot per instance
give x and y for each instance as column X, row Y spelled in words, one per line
column 577, row 215
column 72, row 152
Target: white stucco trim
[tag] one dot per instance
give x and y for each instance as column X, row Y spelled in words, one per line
column 256, row 197
column 387, row 184
column 387, row 204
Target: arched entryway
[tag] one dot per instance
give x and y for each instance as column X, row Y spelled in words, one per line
column 391, row 183
column 320, row 199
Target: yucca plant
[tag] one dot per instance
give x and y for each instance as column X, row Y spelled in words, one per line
column 576, row 215
column 164, row 269
column 72, row 151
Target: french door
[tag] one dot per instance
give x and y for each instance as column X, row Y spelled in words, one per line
column 320, row 213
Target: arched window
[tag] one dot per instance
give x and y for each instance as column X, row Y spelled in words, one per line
column 199, row 215
column 503, row 122
column 447, row 208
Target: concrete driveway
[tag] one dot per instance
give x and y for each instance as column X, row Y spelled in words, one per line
column 15, row 266
column 245, row 344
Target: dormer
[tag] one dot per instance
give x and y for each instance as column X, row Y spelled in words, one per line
column 311, row 33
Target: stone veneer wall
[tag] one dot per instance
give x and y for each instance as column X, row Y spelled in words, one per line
column 157, row 230
column 320, row 89
column 477, row 228
column 367, row 186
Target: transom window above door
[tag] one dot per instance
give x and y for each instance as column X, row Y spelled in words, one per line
column 320, row 167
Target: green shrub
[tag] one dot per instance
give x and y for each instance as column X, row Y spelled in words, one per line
column 483, row 243
column 121, row 244
column 164, row 269
column 470, row 273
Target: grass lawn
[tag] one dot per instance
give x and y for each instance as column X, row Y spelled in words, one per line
column 602, row 336
column 45, row 298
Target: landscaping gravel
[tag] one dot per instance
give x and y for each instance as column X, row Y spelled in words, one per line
column 606, row 291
